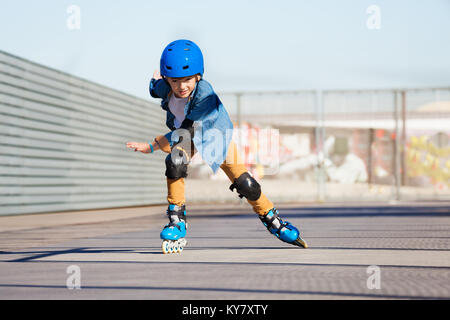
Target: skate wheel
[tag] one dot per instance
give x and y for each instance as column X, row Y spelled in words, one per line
column 180, row 245
column 176, row 247
column 166, row 247
column 171, row 246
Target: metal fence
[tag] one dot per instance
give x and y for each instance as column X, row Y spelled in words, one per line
column 62, row 143
column 352, row 144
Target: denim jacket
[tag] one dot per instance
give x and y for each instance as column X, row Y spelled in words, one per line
column 212, row 124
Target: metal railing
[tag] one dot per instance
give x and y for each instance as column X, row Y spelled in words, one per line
column 398, row 139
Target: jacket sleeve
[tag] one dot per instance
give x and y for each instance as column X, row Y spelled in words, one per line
column 159, row 88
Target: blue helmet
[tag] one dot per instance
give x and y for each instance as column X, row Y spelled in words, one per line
column 181, row 58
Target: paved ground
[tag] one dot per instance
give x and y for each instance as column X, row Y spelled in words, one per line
column 230, row 255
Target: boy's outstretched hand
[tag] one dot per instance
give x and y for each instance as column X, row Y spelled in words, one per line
column 157, row 75
column 139, row 146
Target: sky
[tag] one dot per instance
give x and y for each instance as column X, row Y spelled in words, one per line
column 247, row 45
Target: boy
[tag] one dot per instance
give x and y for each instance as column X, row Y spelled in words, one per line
column 199, row 123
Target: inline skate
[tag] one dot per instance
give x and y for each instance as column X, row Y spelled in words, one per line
column 283, row 230
column 173, row 233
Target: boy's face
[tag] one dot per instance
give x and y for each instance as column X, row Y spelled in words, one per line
column 183, row 87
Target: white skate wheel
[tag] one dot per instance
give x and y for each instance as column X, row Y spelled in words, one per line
column 171, row 246
column 181, row 244
column 166, row 247
column 176, row 247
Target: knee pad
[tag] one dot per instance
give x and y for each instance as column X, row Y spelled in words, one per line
column 175, row 167
column 247, row 187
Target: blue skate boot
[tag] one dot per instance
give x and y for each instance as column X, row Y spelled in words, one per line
column 174, row 232
column 283, row 230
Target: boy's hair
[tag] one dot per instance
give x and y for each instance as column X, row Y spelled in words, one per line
column 197, row 74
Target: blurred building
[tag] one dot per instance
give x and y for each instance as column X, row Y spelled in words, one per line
column 393, row 138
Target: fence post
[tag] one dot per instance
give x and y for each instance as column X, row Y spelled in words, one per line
column 371, row 133
column 397, row 162
column 403, row 141
column 320, row 136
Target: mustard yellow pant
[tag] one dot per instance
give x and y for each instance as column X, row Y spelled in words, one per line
column 233, row 168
